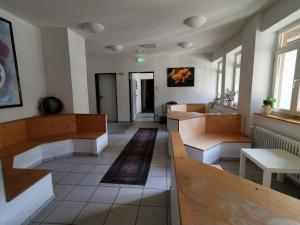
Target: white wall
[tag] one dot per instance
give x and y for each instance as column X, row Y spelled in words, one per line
column 203, row 91
column 78, row 72
column 57, row 65
column 258, row 43
column 65, row 68
column 31, row 69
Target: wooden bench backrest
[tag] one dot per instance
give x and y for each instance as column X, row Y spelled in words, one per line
column 192, row 128
column 208, row 124
column 50, row 125
column 12, row 132
column 91, row 122
column 200, row 108
column 223, row 124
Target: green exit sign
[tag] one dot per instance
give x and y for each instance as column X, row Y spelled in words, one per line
column 140, row 59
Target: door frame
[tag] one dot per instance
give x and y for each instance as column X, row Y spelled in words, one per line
column 130, row 95
column 98, row 104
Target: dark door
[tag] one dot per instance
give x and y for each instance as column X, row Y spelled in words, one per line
column 147, row 89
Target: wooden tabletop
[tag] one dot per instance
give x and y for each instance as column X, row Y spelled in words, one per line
column 208, row 196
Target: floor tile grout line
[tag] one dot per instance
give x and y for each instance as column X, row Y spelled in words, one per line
column 112, row 204
column 84, row 204
column 137, row 214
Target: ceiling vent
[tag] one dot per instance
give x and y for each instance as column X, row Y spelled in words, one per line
column 149, row 46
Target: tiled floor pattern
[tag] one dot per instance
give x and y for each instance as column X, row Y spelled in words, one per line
column 80, row 199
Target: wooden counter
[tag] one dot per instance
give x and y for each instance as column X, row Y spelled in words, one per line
column 208, row 196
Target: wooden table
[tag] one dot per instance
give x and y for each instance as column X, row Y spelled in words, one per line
column 270, row 161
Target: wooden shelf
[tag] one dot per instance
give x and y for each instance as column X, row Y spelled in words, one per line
column 284, row 118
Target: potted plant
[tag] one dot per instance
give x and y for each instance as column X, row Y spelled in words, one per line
column 229, row 97
column 268, row 105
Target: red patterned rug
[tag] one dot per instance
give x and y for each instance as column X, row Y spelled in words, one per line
column 133, row 164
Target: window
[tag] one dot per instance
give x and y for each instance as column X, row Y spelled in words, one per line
column 287, row 71
column 219, row 79
column 236, row 76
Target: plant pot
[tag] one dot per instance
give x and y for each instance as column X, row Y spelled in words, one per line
column 267, row 109
column 230, row 103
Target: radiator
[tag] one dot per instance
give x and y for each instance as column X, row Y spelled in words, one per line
column 264, row 138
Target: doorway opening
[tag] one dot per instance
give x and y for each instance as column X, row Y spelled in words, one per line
column 106, row 95
column 142, row 101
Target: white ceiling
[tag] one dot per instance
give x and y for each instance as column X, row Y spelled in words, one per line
column 135, row 22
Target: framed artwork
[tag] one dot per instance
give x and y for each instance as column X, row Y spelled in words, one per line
column 10, row 90
column 181, row 77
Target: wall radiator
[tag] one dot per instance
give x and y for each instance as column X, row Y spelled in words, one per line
column 264, row 138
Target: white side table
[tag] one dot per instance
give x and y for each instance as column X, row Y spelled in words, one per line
column 270, row 161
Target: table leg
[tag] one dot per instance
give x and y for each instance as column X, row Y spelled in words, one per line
column 242, row 165
column 267, row 178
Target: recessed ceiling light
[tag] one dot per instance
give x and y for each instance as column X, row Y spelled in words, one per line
column 186, row 44
column 149, row 46
column 93, row 27
column 115, row 47
column 195, row 21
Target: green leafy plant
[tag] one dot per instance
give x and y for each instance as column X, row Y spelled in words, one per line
column 269, row 101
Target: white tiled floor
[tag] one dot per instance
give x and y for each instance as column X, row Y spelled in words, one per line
column 82, row 200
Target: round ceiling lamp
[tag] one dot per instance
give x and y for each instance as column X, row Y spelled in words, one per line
column 186, row 44
column 93, row 27
column 115, row 47
column 195, row 21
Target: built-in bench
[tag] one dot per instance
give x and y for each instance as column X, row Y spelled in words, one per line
column 209, row 137
column 201, row 194
column 27, row 142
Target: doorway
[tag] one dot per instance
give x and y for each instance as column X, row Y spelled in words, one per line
column 141, row 85
column 106, row 95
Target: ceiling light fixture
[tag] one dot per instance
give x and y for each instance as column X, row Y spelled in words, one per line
column 186, row 44
column 115, row 47
column 93, row 27
column 195, row 21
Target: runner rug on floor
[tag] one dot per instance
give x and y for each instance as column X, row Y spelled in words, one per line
column 133, row 164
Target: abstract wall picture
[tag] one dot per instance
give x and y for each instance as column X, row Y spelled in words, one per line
column 10, row 90
column 181, row 77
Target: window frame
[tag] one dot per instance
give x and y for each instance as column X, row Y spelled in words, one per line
column 236, row 66
column 295, row 45
column 220, row 72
